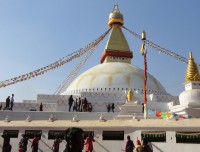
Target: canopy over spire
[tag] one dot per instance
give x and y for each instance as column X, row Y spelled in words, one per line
column 192, row 72
column 115, row 16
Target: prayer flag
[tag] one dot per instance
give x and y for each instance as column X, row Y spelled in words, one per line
column 169, row 114
column 142, row 48
column 150, row 112
column 164, row 115
column 158, row 114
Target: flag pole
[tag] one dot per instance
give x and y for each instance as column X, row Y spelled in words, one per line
column 145, row 74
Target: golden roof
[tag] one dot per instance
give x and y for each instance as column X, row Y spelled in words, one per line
column 192, row 72
column 117, row 40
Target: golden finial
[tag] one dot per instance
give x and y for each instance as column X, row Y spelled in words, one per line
column 130, row 95
column 115, row 16
column 190, row 55
column 116, row 8
column 143, row 35
column 192, row 72
column 142, row 49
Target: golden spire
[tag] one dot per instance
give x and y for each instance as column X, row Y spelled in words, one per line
column 117, row 48
column 192, row 73
column 115, row 17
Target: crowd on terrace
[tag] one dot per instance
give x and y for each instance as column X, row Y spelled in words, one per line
column 76, row 105
column 81, row 105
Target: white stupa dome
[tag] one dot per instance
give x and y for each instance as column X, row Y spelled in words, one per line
column 114, row 76
column 115, row 73
column 190, row 96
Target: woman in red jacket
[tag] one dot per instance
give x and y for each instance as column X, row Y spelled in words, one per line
column 89, row 143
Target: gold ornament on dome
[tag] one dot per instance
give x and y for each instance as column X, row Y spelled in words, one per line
column 130, row 95
column 115, row 17
column 192, row 73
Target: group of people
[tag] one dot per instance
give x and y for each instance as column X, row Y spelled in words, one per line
column 140, row 146
column 74, row 142
column 80, row 105
column 110, row 107
column 22, row 146
column 9, row 103
column 24, row 143
column 35, row 144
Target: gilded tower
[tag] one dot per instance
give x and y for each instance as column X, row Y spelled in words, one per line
column 192, row 78
column 190, row 98
column 192, row 73
column 117, row 48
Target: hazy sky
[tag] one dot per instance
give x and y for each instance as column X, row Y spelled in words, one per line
column 36, row 33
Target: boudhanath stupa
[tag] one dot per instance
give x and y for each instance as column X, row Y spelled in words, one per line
column 114, row 80
column 109, row 81
column 115, row 74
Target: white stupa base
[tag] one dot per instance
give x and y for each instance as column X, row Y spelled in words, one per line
column 192, row 109
column 193, row 112
column 130, row 110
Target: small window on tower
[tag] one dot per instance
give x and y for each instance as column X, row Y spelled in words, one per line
column 113, row 135
column 188, row 137
column 10, row 133
column 53, row 133
column 33, row 133
column 157, row 136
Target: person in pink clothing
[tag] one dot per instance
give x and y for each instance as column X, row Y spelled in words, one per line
column 20, row 148
column 89, row 143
